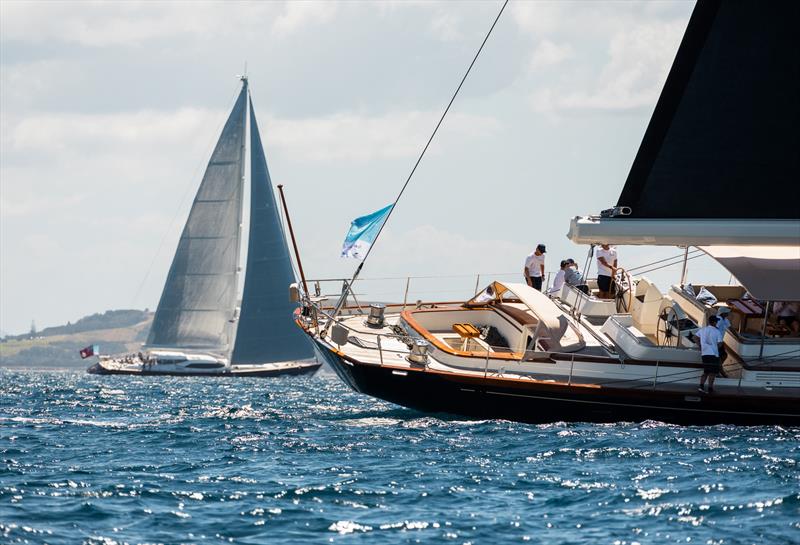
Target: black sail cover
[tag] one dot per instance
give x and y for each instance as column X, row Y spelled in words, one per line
column 723, row 140
column 266, row 331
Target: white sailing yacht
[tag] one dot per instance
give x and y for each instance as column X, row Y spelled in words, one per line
column 718, row 168
column 198, row 328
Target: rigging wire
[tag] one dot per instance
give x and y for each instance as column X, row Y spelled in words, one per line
column 667, row 265
column 691, row 253
column 419, row 159
column 435, row 130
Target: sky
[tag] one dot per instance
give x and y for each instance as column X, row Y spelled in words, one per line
column 109, row 112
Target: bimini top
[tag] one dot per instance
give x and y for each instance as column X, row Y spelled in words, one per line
column 554, row 325
column 770, row 273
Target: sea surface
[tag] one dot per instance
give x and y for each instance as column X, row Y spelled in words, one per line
column 111, row 460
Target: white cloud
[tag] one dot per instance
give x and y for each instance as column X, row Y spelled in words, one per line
column 638, row 62
column 299, row 13
column 549, row 54
column 135, row 23
column 355, row 137
column 344, row 136
column 49, row 134
column 83, row 152
column 446, row 27
column 536, row 17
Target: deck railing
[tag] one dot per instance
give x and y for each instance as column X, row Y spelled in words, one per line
column 659, row 377
column 410, row 289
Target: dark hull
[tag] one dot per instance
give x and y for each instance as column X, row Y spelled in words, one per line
column 540, row 402
column 98, row 369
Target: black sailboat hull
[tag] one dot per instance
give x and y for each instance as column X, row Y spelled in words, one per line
column 305, row 369
column 541, row 402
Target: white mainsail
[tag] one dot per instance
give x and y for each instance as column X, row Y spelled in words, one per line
column 198, row 304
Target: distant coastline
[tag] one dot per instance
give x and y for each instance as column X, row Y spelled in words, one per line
column 57, row 347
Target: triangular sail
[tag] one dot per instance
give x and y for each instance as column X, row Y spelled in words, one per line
column 266, row 332
column 197, row 306
column 724, row 140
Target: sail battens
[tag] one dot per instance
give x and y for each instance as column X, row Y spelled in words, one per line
column 266, row 332
column 199, row 297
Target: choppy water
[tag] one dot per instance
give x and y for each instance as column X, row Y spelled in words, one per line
column 105, row 460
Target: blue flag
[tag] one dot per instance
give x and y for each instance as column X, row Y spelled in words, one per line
column 362, row 233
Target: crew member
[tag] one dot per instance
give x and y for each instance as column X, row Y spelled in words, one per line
column 573, row 277
column 723, row 324
column 558, row 281
column 710, row 341
column 534, row 267
column 606, row 268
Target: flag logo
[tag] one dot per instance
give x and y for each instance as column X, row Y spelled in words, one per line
column 362, row 233
column 91, row 350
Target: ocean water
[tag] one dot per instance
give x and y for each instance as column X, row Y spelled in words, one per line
column 111, row 460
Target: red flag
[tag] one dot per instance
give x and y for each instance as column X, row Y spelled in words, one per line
column 89, row 351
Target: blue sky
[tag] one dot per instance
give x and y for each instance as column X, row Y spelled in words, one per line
column 110, row 110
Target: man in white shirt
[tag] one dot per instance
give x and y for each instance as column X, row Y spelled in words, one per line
column 606, row 268
column 534, row 267
column 710, row 341
column 558, row 281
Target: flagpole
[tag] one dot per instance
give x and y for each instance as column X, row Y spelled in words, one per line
column 294, row 242
column 346, row 291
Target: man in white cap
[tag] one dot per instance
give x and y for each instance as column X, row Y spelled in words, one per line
column 534, row 267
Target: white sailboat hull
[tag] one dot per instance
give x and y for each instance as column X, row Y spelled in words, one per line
column 195, row 365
